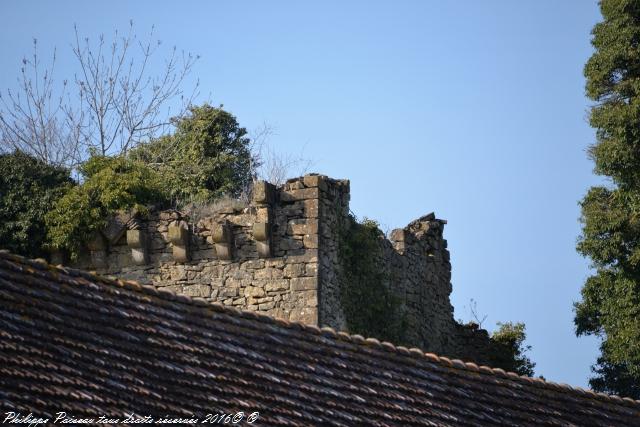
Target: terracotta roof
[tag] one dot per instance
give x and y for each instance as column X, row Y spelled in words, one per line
column 75, row 342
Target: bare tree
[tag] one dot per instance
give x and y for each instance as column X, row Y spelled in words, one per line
column 121, row 95
column 125, row 104
column 473, row 310
column 33, row 117
column 272, row 166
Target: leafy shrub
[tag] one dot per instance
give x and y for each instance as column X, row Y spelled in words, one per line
column 28, row 188
column 207, row 157
column 111, row 184
column 509, row 349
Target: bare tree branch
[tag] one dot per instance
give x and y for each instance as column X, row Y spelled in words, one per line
column 270, row 165
column 122, row 96
column 32, row 118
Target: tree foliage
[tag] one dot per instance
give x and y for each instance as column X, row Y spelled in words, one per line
column 28, row 187
column 111, row 184
column 208, row 156
column 509, row 349
column 610, row 304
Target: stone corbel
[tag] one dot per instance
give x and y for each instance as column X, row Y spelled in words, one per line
column 179, row 238
column 98, row 251
column 262, row 235
column 222, row 240
column 137, row 242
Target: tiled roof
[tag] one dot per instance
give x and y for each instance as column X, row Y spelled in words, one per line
column 71, row 341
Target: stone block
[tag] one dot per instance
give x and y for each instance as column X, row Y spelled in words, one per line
column 304, row 283
column 306, row 315
column 266, row 306
column 177, row 272
column 294, row 270
column 312, row 301
column 203, row 291
column 315, row 181
column 311, row 269
column 228, row 292
column 311, row 208
column 310, row 241
column 254, row 291
column 290, row 244
column 398, row 235
column 263, row 192
column 302, row 194
column 277, row 285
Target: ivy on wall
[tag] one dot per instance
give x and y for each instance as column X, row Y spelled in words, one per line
column 370, row 307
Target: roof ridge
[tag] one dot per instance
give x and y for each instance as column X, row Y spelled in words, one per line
column 357, row 339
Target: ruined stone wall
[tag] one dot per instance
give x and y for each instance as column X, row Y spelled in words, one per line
column 420, row 272
column 279, row 255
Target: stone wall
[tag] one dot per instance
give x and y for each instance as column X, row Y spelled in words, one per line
column 279, row 255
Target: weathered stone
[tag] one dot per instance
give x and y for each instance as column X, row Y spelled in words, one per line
column 398, row 235
column 294, row 270
column 310, row 241
column 253, row 291
column 178, row 273
column 262, row 192
column 311, row 208
column 228, row 292
column 315, row 181
column 304, row 283
column 302, row 194
column 277, row 285
column 266, row 306
column 306, row 315
column 197, row 290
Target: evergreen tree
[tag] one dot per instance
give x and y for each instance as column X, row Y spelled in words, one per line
column 610, row 304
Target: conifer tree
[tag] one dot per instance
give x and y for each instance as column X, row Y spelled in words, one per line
column 610, row 304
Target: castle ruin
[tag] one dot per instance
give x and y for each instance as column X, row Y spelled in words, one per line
column 279, row 255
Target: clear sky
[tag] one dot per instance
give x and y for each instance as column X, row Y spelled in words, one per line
column 472, row 109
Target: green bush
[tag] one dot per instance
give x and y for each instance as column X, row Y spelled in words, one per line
column 111, row 184
column 208, row 156
column 28, row 188
column 509, row 350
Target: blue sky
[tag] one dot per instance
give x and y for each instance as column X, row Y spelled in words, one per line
column 474, row 110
